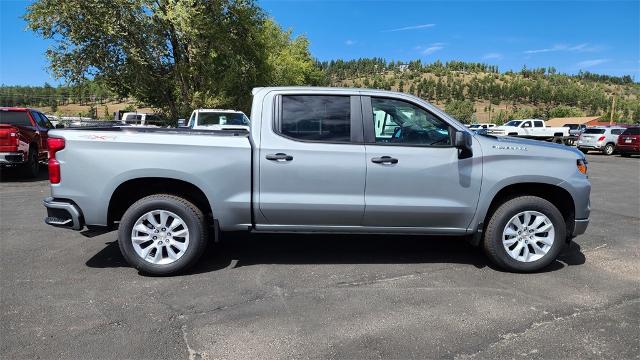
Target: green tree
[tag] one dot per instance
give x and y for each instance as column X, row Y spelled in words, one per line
column 170, row 54
column 460, row 109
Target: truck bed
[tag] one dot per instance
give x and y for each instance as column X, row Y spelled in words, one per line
column 96, row 161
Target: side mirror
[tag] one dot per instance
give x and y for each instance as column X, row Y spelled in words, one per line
column 463, row 142
column 59, row 126
column 182, row 123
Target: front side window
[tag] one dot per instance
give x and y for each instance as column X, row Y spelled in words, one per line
column 527, row 124
column 316, row 117
column 400, row 122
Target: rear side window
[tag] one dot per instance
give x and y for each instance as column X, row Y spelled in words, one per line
column 617, row 131
column 594, row 131
column 15, row 118
column 538, row 124
column 632, row 131
column 316, row 117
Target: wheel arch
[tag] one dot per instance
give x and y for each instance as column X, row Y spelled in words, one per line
column 135, row 189
column 555, row 194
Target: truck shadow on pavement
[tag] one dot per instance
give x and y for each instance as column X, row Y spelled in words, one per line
column 239, row 250
column 14, row 175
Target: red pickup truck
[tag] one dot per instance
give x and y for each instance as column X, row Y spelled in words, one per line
column 23, row 139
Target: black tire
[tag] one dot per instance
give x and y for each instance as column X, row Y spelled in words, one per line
column 584, row 151
column 608, row 149
column 494, row 248
column 31, row 168
column 191, row 215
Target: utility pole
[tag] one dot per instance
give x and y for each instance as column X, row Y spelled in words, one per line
column 613, row 109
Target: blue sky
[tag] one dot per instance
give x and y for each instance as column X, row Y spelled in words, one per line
column 598, row 36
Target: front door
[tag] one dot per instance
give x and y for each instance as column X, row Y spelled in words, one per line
column 312, row 164
column 414, row 176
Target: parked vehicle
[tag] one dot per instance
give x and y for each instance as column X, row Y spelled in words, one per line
column 481, row 126
column 600, row 138
column 141, row 119
column 303, row 168
column 575, row 129
column 23, row 139
column 218, row 119
column 629, row 142
column 530, row 129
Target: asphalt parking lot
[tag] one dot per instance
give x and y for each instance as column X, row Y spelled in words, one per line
column 64, row 295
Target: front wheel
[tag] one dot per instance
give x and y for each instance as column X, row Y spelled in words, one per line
column 524, row 234
column 162, row 234
column 608, row 149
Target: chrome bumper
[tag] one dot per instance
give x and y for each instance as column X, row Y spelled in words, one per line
column 62, row 213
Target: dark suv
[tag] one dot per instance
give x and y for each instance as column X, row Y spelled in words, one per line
column 629, row 141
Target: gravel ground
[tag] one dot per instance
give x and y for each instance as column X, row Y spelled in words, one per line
column 63, row 295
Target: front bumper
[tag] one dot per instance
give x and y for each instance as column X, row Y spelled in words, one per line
column 579, row 227
column 10, row 158
column 63, row 213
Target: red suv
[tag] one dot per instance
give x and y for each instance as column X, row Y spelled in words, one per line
column 629, row 141
column 23, row 138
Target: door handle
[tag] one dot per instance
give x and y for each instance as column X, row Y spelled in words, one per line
column 279, row 157
column 384, row 160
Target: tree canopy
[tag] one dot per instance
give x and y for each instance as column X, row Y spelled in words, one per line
column 174, row 55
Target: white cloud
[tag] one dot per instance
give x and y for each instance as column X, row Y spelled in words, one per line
column 350, row 42
column 591, row 63
column 414, row 27
column 584, row 47
column 428, row 50
column 492, row 56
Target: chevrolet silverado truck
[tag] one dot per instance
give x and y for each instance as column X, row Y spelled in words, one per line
column 23, row 139
column 319, row 160
column 530, row 129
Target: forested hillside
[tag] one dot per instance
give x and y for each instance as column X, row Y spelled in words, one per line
column 469, row 91
column 479, row 92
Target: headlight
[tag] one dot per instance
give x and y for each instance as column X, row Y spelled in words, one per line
column 582, row 166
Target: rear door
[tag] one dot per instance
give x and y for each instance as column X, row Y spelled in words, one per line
column 311, row 162
column 414, row 176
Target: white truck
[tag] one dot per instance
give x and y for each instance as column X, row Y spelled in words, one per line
column 141, row 119
column 531, row 129
column 218, row 119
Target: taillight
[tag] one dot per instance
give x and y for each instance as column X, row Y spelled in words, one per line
column 54, row 145
column 601, row 138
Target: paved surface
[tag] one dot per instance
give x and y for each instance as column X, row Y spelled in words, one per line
column 67, row 296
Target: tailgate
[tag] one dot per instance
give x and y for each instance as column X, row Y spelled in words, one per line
column 8, row 138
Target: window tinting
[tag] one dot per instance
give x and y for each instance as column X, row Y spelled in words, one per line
column 594, row 131
column 617, row 131
column 15, row 118
column 400, row 122
column 318, row 118
column 538, row 124
column 632, row 131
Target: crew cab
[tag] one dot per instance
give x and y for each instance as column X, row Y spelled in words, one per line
column 529, row 128
column 218, row 119
column 319, row 160
column 23, row 139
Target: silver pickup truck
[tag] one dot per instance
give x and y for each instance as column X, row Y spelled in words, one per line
column 320, row 160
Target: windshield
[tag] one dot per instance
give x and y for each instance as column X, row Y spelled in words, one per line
column 513, row 123
column 211, row 118
column 594, row 131
column 15, row 118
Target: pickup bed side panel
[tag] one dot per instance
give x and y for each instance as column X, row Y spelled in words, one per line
column 95, row 163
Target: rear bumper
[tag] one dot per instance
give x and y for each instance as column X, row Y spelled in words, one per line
column 590, row 146
column 580, row 226
column 628, row 148
column 9, row 158
column 63, row 213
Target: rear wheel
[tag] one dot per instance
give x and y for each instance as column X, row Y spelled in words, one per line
column 625, row 154
column 608, row 149
column 524, row 234
column 32, row 167
column 162, row 234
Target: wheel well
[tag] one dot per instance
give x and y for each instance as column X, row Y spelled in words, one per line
column 133, row 190
column 556, row 195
